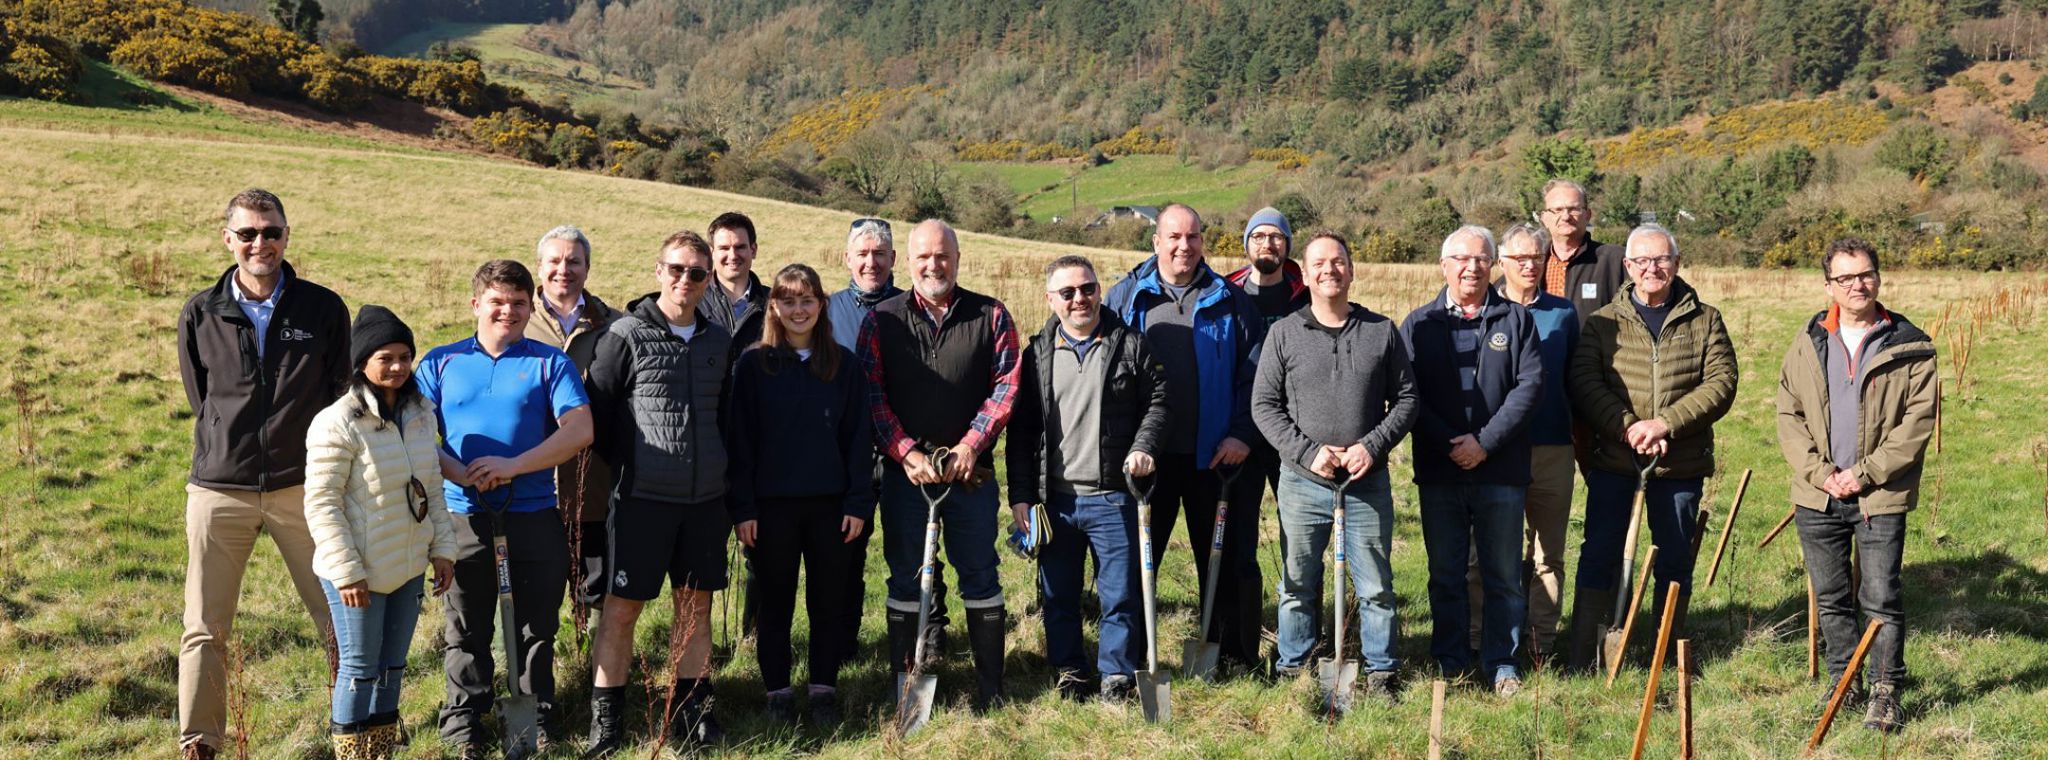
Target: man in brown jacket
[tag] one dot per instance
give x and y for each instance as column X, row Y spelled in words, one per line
column 1653, row 372
column 572, row 323
column 1856, row 401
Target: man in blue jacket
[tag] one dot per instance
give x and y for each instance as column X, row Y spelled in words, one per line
column 1479, row 373
column 1206, row 333
column 871, row 261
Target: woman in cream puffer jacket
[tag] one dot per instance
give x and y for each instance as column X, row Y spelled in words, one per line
column 374, row 507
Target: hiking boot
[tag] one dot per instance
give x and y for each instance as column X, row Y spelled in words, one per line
column 782, row 707
column 824, row 709
column 1884, row 714
column 1381, row 683
column 1850, row 699
column 1119, row 688
column 1592, row 610
column 196, row 751
column 985, row 631
column 694, row 726
column 1073, row 684
column 606, row 737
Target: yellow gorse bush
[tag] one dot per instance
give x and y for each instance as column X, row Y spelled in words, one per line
column 829, row 125
column 1813, row 122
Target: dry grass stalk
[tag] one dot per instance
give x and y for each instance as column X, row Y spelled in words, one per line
column 152, row 273
column 238, row 701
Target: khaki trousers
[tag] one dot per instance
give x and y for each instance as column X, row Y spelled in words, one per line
column 1548, row 512
column 221, row 528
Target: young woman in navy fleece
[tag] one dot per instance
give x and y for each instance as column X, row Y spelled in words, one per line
column 802, row 482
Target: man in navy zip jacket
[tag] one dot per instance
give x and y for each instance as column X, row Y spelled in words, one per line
column 871, row 262
column 1479, row 372
column 1206, row 333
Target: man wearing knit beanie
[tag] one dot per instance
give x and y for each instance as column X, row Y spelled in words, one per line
column 1273, row 280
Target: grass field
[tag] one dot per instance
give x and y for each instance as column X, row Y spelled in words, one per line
column 510, row 62
column 113, row 222
column 1128, row 181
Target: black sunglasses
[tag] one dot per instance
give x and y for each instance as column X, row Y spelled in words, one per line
column 1088, row 289
column 249, row 234
column 681, row 272
column 883, row 223
column 416, row 497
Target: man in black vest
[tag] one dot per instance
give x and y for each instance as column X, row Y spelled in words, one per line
column 947, row 358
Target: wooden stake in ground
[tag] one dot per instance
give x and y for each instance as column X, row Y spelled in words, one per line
column 1812, row 632
column 1684, row 699
column 1656, row 669
column 1781, row 527
column 1728, row 527
column 1436, row 719
column 1827, row 718
column 1628, row 622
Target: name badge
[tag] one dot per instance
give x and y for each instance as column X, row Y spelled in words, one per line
column 1589, row 291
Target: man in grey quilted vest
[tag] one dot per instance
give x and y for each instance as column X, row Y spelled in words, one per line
column 657, row 384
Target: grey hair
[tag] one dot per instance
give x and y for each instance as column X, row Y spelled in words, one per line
column 1069, row 261
column 1485, row 235
column 1650, row 228
column 567, row 232
column 873, row 229
column 1562, row 182
column 1536, row 234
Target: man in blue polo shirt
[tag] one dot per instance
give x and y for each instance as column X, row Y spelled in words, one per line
column 511, row 409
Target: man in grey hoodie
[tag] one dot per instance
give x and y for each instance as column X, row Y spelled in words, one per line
column 1335, row 393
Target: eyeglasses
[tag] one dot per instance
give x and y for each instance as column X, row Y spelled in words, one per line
column 1522, row 261
column 1268, row 238
column 249, row 234
column 681, row 272
column 1868, row 278
column 882, row 223
column 1463, row 260
column 1652, row 262
column 1566, row 211
column 416, row 497
column 1088, row 289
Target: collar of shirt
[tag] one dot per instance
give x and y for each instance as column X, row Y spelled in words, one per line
column 934, row 311
column 1079, row 346
column 1451, row 303
column 567, row 321
column 246, row 302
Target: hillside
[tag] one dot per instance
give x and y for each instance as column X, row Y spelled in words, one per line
column 116, row 210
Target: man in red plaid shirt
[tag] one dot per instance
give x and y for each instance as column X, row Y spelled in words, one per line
column 948, row 359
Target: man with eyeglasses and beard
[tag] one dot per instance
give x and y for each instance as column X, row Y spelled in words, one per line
column 1274, row 282
column 261, row 353
column 658, row 387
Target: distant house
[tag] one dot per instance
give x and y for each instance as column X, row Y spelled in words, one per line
column 1147, row 214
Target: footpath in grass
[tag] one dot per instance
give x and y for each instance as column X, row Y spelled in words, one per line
column 113, row 230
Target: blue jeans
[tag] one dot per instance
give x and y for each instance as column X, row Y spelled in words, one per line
column 1673, row 506
column 1305, row 527
column 372, row 642
column 1107, row 525
column 1455, row 518
column 967, row 521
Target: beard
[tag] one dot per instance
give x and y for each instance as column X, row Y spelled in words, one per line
column 933, row 290
column 1266, row 264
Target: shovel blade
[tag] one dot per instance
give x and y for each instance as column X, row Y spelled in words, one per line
column 1155, row 695
column 520, row 715
column 1610, row 647
column 914, row 705
column 1198, row 659
column 1335, row 679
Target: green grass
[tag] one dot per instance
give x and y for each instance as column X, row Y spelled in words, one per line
column 91, row 547
column 1129, row 181
column 509, row 61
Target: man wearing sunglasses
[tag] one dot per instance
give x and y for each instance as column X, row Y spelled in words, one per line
column 1091, row 405
column 942, row 366
column 658, row 386
column 1206, row 333
column 1577, row 268
column 261, row 353
column 1653, row 372
column 1856, row 401
column 870, row 262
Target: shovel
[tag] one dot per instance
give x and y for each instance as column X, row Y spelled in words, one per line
column 1611, row 638
column 1334, row 676
column 1198, row 655
column 915, row 688
column 1155, row 687
column 518, row 714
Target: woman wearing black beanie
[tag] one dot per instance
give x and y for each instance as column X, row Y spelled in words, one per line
column 375, row 509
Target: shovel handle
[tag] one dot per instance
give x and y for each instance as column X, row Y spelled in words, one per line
column 1628, row 547
column 1145, row 577
column 1338, row 605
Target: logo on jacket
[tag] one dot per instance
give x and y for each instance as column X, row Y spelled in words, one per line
column 293, row 333
column 1499, row 342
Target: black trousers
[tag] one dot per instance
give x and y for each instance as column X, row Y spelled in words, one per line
column 538, row 546
column 1183, row 489
column 791, row 533
column 1880, row 542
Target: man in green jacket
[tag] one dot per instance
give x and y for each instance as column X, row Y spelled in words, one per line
column 1856, row 399
column 1653, row 371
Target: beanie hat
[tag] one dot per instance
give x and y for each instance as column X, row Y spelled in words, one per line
column 375, row 327
column 1272, row 216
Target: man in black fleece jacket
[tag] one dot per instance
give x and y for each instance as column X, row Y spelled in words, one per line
column 1480, row 370
column 1335, row 392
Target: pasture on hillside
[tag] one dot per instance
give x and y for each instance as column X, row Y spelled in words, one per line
column 113, row 222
